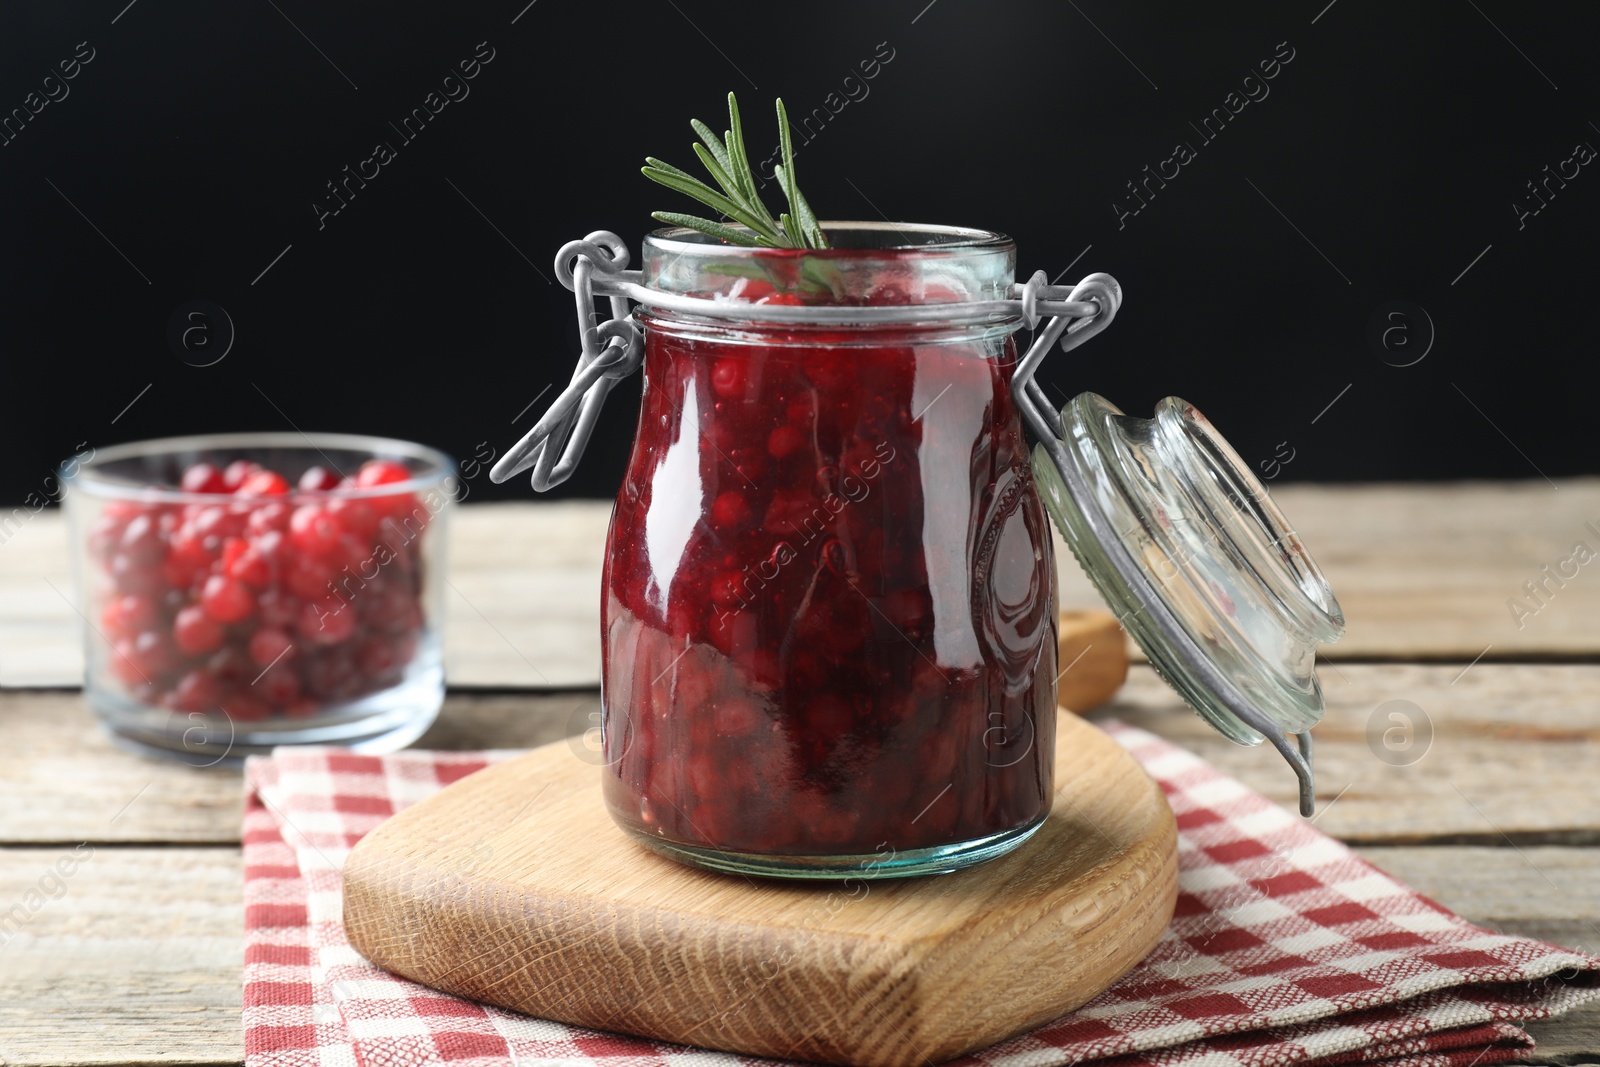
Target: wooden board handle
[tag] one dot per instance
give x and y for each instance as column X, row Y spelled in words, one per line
column 1093, row 659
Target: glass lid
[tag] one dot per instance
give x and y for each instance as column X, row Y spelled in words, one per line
column 1190, row 552
column 1199, row 565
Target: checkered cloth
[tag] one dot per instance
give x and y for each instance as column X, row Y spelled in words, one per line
column 1286, row 948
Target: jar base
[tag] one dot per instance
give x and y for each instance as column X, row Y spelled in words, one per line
column 938, row 859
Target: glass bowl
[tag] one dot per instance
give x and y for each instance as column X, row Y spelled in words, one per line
column 289, row 591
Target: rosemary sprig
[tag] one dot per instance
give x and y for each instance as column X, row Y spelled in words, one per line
column 728, row 163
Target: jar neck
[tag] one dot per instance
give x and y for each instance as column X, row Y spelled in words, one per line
column 987, row 337
column 868, row 265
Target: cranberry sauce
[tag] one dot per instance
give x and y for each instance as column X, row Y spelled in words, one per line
column 829, row 598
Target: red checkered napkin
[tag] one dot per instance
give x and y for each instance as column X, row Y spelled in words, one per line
column 1286, row 948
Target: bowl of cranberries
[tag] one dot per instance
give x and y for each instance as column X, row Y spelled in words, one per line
column 243, row 591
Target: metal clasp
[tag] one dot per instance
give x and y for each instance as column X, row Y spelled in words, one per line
column 609, row 352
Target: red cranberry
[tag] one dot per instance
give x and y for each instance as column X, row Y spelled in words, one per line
column 236, row 472
column 202, row 478
column 269, row 517
column 381, row 472
column 124, row 511
column 309, row 577
column 751, row 289
column 195, row 632
column 331, row 674
column 684, row 619
column 401, row 507
column 131, row 576
column 728, row 377
column 313, row 529
column 232, row 549
column 749, row 464
column 785, row 441
column 232, row 666
column 124, row 663
column 318, row 480
column 277, row 609
column 358, row 517
column 125, row 616
column 400, row 542
column 153, row 654
column 105, row 535
column 263, row 483
column 142, row 541
column 730, row 509
column 214, row 520
column 270, row 646
column 227, row 599
column 273, row 546
column 189, row 555
column 196, row 691
column 727, row 590
column 384, row 606
column 327, row 622
column 279, row 687
column 246, row 563
column 351, row 556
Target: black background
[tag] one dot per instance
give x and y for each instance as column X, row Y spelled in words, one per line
column 1386, row 158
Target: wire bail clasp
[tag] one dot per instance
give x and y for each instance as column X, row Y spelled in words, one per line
column 597, row 267
column 610, row 351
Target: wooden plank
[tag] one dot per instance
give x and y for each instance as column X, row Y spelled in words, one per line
column 142, row 951
column 134, row 957
column 1426, row 571
column 1513, row 752
column 1422, row 572
column 66, row 782
column 1573, row 1040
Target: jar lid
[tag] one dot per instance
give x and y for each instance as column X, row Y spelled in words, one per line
column 1198, row 563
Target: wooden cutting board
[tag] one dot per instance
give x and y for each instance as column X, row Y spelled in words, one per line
column 514, row 887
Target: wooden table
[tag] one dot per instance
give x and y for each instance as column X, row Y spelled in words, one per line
column 136, row 958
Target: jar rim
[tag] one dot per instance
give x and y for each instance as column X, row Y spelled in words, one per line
column 877, row 272
column 94, row 477
column 863, row 240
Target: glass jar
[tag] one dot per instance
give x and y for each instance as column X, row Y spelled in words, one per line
column 828, row 608
column 829, row 629
column 233, row 616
